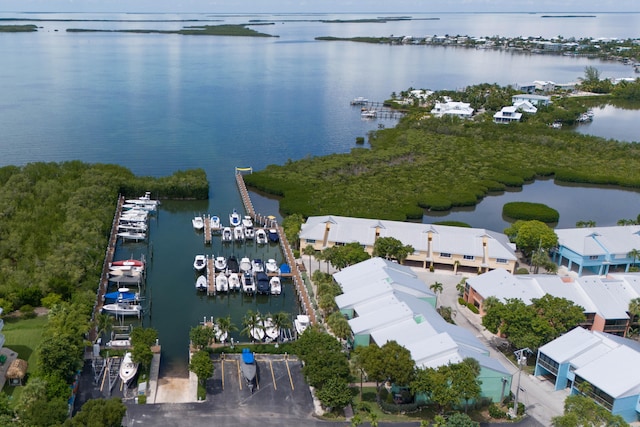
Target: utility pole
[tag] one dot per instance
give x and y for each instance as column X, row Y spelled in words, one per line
column 521, row 359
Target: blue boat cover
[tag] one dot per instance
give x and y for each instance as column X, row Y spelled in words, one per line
column 247, row 356
column 284, row 268
column 120, row 296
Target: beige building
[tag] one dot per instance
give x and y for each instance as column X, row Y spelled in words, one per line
column 438, row 246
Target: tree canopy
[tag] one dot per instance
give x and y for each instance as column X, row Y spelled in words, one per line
column 530, row 236
column 580, row 410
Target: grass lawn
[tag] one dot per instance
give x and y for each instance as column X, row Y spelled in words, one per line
column 23, row 336
column 369, row 398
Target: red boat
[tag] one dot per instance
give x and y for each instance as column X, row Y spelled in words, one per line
column 128, row 263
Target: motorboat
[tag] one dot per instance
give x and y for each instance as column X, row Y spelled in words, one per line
column 359, row 101
column 128, row 263
column 249, row 234
column 132, row 236
column 257, row 333
column 128, row 368
column 202, row 283
column 248, row 367
column 218, row 334
column 271, row 266
column 122, row 309
column 232, row 264
column 301, row 323
column 238, row 233
column 227, row 234
column 215, row 223
column 198, row 223
column 234, row 282
column 220, row 263
column 122, row 295
column 257, row 266
column 125, row 276
column 222, row 283
column 234, row 218
column 245, row 265
column 248, row 286
column 121, row 269
column 275, row 285
column 139, row 227
column 200, row 262
column 144, row 200
column 272, row 235
column 270, row 331
column 247, row 221
column 262, row 283
column 139, row 206
column 369, row 114
column 119, row 343
column 261, row 236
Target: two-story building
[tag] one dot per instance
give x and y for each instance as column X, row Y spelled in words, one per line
column 439, row 246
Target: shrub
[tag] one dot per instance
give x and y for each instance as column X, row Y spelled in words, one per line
column 432, row 268
column 522, row 270
column 27, row 312
column 359, row 139
column 530, row 211
column 473, row 308
column 461, row 301
column 142, row 399
column 520, row 408
column 496, row 412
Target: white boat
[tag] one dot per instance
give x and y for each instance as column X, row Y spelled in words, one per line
column 234, row 218
column 125, row 276
column 132, row 236
column 202, row 283
column 301, row 323
column 248, row 285
column 271, row 266
column 238, row 233
column 128, row 368
column 216, row 225
column 198, row 222
column 124, row 269
column 245, row 265
column 261, row 236
column 368, row 114
column 270, row 331
column 359, row 101
column 119, row 343
column 220, row 336
column 222, row 283
column 249, row 233
column 200, row 262
column 122, row 309
column 220, row 263
column 247, row 221
column 248, row 367
column 275, row 285
column 257, row 266
column 139, row 227
column 234, row 282
column 145, row 200
column 227, row 234
column 257, row 333
column 139, row 206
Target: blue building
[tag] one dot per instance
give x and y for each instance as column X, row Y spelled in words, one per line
column 608, row 363
column 598, row 250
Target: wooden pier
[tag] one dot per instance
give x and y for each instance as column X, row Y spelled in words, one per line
column 207, row 229
column 211, row 277
column 380, row 110
column 301, row 290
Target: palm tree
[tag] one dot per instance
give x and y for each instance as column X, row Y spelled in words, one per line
column 252, row 320
column 436, row 287
column 489, row 303
column 460, row 287
column 104, row 322
column 309, row 251
column 281, row 320
column 634, row 310
column 635, row 254
column 225, row 325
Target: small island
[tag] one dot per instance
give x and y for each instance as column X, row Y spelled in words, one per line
column 239, row 30
column 18, row 28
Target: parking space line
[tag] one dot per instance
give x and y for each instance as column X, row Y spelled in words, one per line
column 273, row 377
column 289, row 372
column 239, row 379
column 222, row 367
column 106, row 371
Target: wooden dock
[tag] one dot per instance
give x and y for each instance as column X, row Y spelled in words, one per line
column 211, row 277
column 207, row 229
column 301, row 290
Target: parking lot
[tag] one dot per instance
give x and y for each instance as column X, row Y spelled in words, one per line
column 280, row 397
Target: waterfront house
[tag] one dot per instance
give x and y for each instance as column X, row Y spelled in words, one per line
column 438, row 246
column 608, row 363
column 597, row 250
column 537, row 100
column 385, row 301
column 453, row 108
column 605, row 300
column 525, row 107
column 507, row 115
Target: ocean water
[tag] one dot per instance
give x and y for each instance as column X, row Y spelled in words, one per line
column 160, row 103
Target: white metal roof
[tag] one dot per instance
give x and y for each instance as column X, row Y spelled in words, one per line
column 447, row 239
column 600, row 241
column 570, row 345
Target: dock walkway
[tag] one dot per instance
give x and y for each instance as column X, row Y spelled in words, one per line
column 301, row 290
column 207, row 230
column 211, row 277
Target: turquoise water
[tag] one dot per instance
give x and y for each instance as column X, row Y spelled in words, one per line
column 161, row 103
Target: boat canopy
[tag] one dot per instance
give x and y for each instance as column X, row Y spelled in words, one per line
column 247, row 356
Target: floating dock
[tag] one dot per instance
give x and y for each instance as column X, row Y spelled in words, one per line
column 211, row 277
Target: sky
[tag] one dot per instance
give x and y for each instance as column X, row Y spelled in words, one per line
column 318, row 6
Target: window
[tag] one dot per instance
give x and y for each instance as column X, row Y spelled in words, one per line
column 310, row 241
column 593, row 257
column 445, row 255
column 501, row 260
column 548, row 363
column 469, row 257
